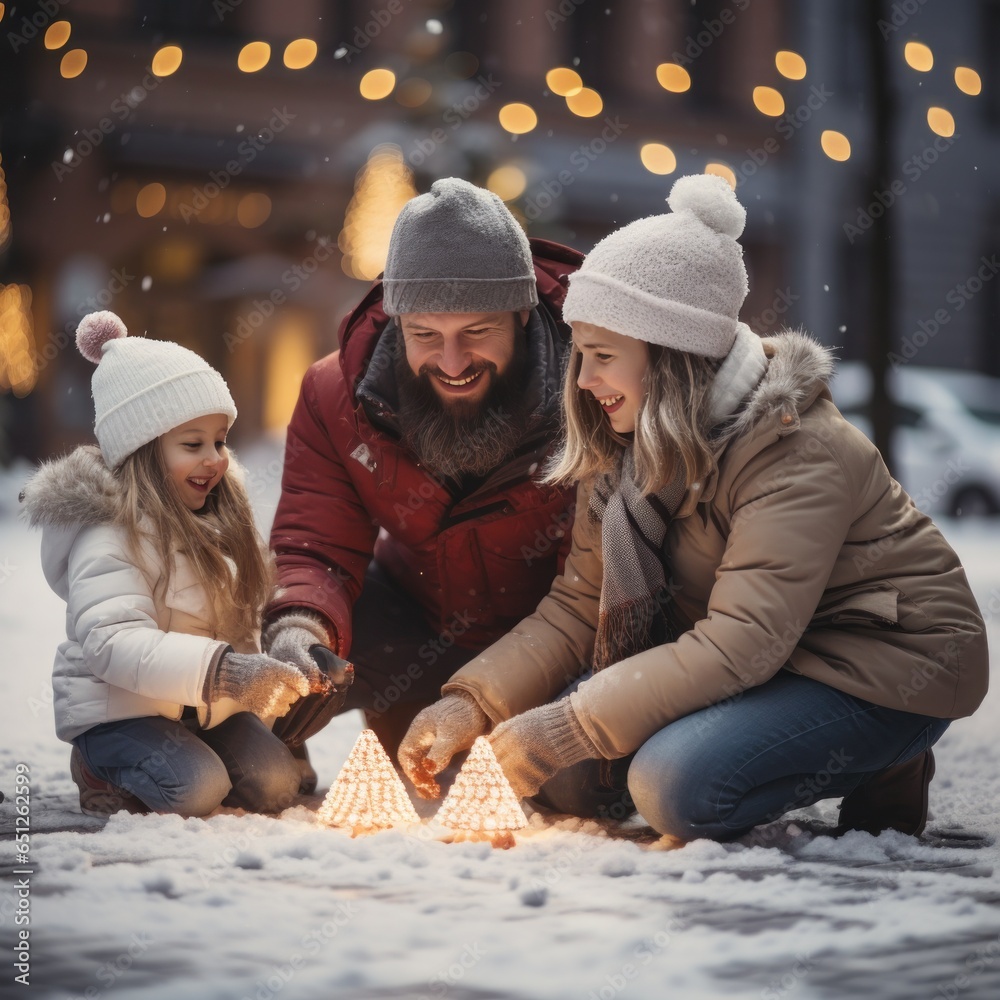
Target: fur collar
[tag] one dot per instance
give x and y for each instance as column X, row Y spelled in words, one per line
column 76, row 489
column 797, row 362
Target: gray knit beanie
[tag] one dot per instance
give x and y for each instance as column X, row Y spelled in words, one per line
column 144, row 388
column 677, row 280
column 457, row 249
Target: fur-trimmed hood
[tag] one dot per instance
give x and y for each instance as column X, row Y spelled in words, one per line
column 798, row 370
column 75, row 489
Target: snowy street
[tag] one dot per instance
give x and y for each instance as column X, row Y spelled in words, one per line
column 248, row 906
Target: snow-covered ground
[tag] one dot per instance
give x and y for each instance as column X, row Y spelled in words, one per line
column 253, row 907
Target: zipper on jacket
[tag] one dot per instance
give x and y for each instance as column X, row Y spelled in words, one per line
column 468, row 515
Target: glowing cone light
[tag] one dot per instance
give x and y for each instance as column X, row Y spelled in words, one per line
column 481, row 805
column 367, row 795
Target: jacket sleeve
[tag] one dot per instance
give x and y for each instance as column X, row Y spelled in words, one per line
column 323, row 537
column 113, row 617
column 549, row 649
column 792, row 508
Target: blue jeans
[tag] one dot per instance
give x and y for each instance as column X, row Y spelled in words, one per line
column 720, row 772
column 178, row 767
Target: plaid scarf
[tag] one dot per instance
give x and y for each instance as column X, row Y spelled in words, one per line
column 635, row 596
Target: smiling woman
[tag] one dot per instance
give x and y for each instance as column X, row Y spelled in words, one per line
column 734, row 656
column 613, row 369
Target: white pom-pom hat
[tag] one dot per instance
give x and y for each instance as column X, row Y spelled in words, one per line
column 677, row 279
column 144, row 388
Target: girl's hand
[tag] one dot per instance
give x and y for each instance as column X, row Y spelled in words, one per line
column 264, row 685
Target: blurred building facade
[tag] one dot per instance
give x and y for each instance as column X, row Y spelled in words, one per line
column 226, row 173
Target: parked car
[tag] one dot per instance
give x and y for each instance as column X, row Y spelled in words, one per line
column 946, row 441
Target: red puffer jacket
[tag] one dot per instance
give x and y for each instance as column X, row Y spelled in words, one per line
column 350, row 490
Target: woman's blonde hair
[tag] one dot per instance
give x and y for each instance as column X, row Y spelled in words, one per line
column 672, row 424
column 151, row 510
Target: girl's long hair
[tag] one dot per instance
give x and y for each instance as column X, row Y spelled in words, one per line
column 671, row 427
column 152, row 512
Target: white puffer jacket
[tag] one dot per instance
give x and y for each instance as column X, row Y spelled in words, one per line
column 140, row 639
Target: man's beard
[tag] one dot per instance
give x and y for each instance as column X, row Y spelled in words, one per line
column 464, row 437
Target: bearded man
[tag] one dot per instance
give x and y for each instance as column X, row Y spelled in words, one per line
column 410, row 533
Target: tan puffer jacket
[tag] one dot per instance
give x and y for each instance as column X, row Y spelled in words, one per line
column 800, row 553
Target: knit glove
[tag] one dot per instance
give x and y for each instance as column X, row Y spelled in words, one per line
column 533, row 746
column 264, row 685
column 437, row 733
column 290, row 637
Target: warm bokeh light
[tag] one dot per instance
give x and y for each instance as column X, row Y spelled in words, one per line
column 658, row 158
column 968, row 81
column 376, row 84
column 942, row 122
column 836, row 145
column 721, row 170
column 918, row 56
column 383, row 186
column 586, row 103
column 413, row 92
column 18, row 372
column 253, row 210
column 790, row 64
column 167, row 60
column 73, row 63
column 768, row 101
column 300, row 53
column 518, row 118
column 563, row 82
column 57, row 34
column 150, row 200
column 254, row 56
column 290, row 351
column 673, row 77
column 507, row 182
column 3, row 10
column 175, row 259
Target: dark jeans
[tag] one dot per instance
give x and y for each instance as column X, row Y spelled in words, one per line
column 720, row 772
column 400, row 660
column 178, row 767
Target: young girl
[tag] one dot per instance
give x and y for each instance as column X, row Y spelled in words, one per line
column 160, row 685
column 767, row 617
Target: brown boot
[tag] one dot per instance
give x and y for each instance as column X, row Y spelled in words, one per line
column 100, row 798
column 894, row 799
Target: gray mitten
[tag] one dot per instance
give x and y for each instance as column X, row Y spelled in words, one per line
column 290, row 637
column 536, row 744
column 264, row 685
column 436, row 735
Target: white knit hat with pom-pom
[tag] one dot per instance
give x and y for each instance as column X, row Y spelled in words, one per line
column 144, row 388
column 677, row 280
